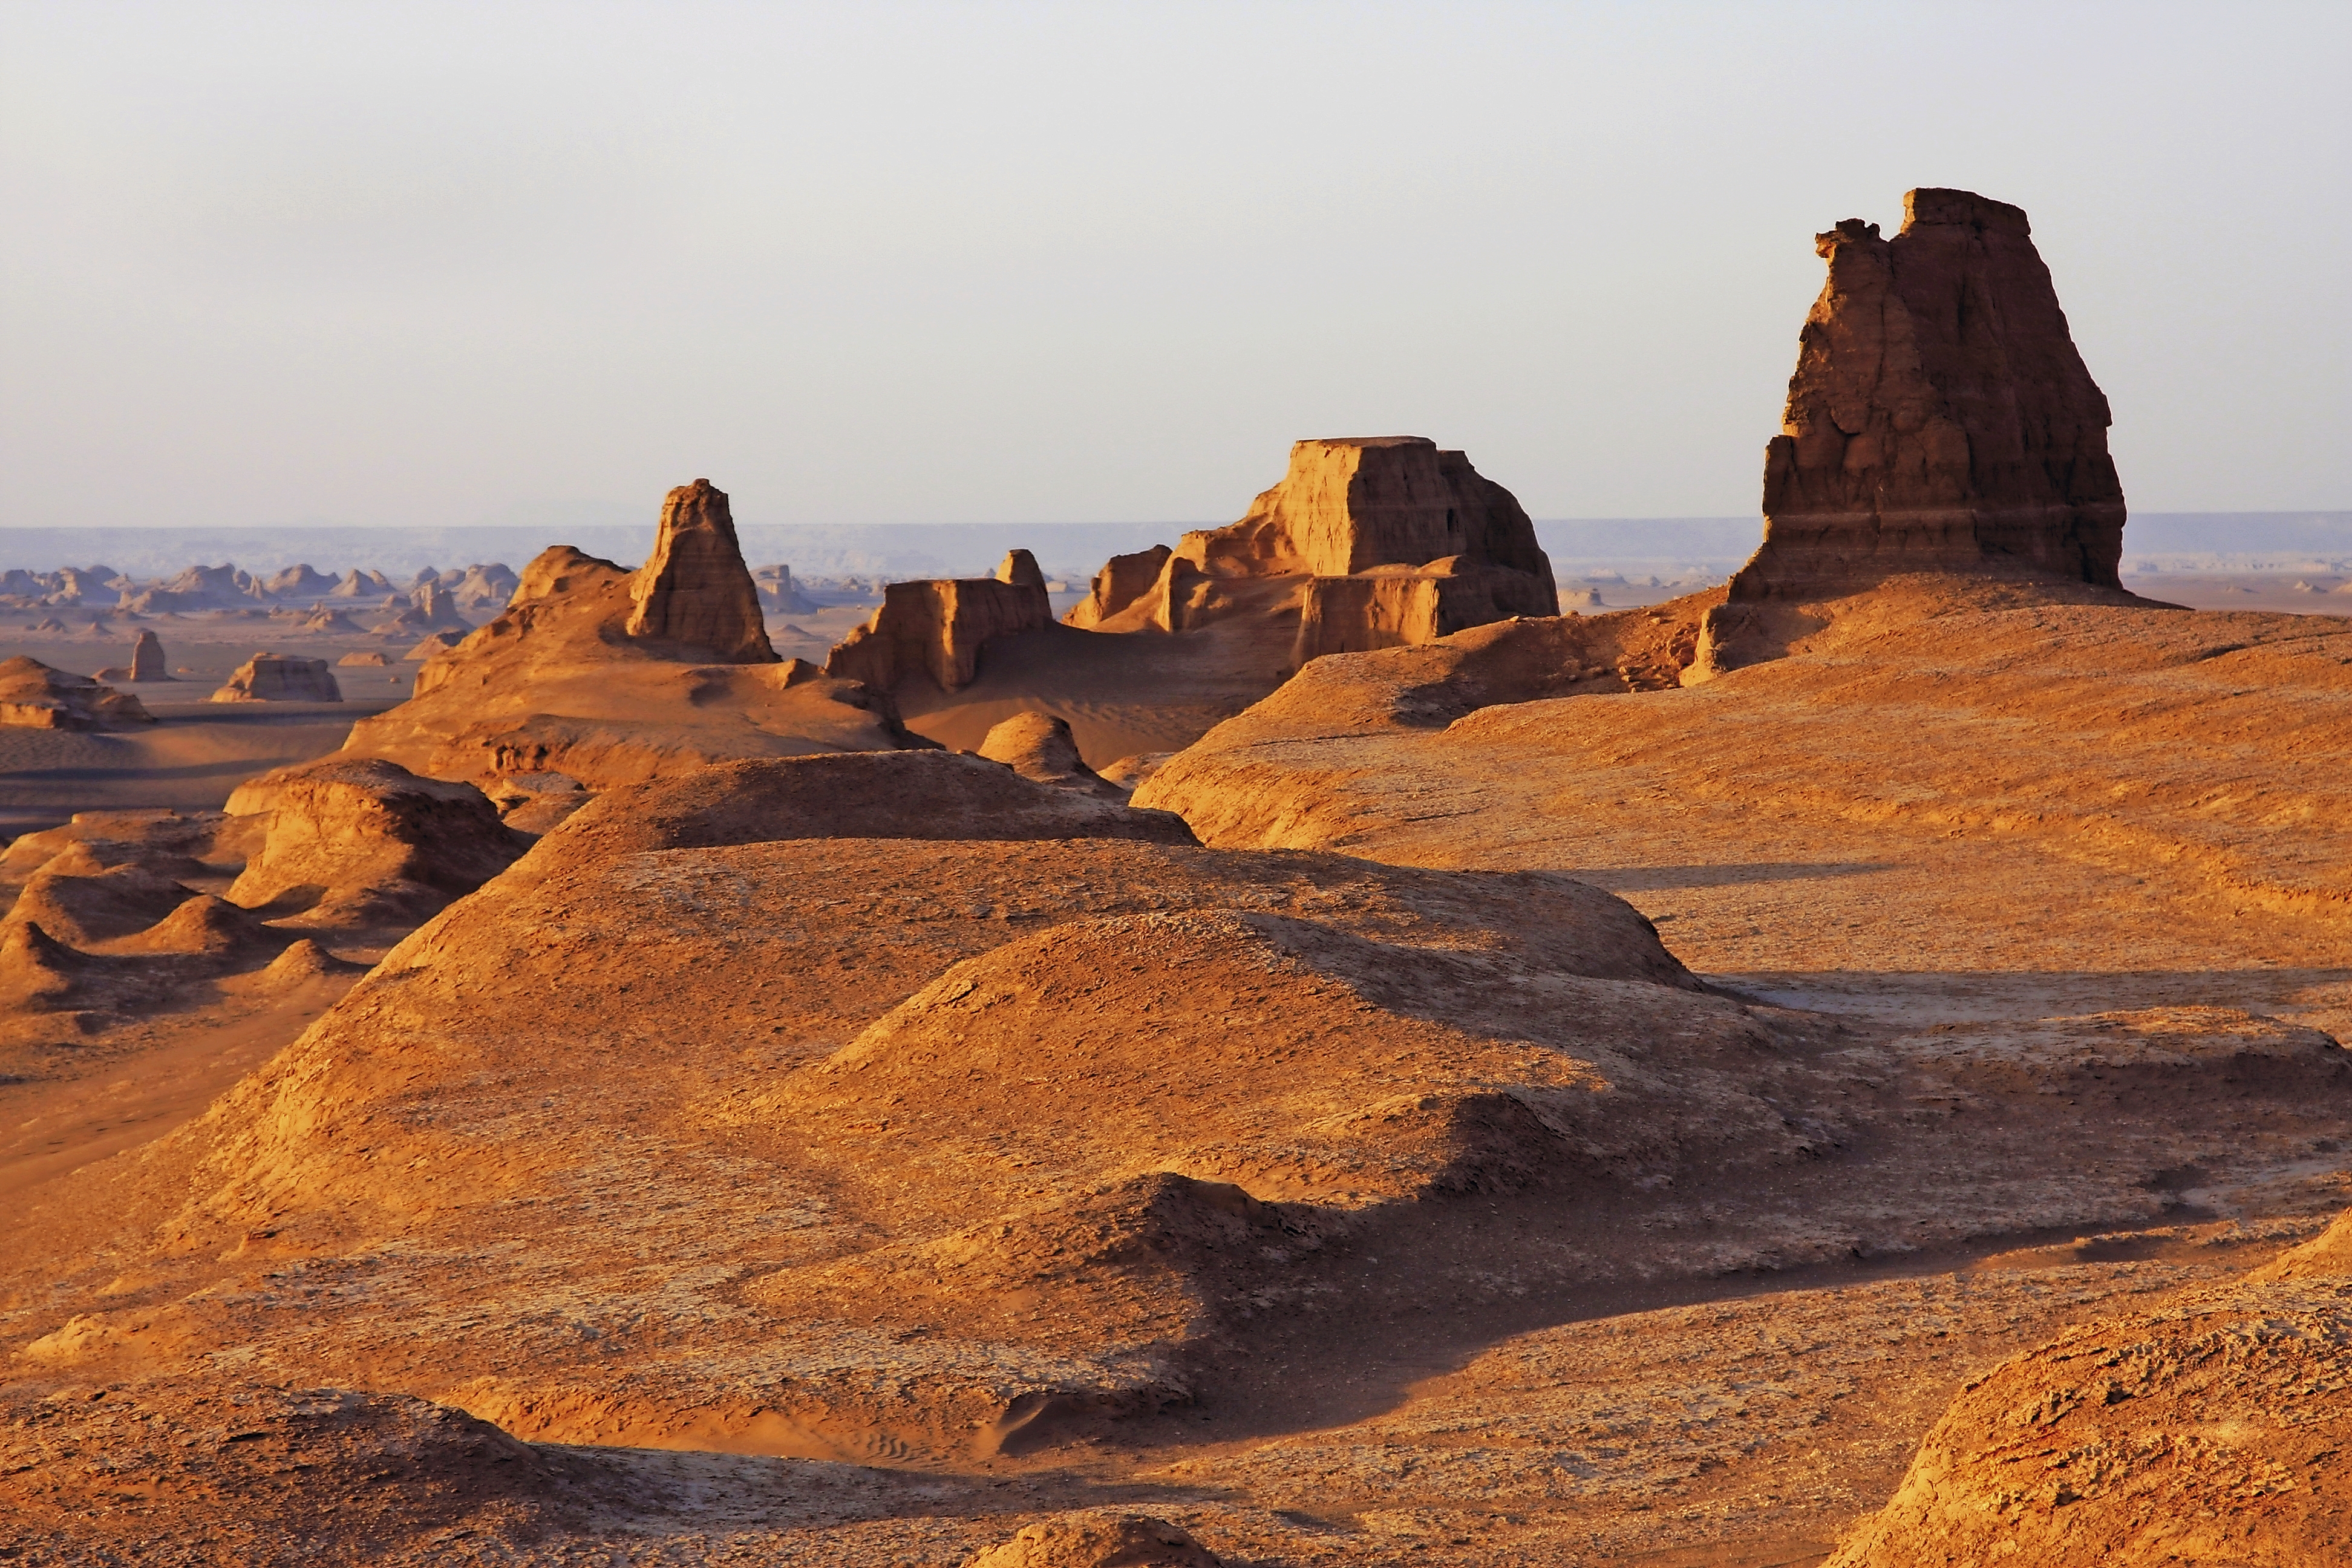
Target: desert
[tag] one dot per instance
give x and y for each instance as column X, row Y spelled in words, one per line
column 1371, row 1032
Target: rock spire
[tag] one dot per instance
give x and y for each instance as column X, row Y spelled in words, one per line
column 695, row 588
column 1939, row 419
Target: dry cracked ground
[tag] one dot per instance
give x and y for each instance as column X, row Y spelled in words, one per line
column 1482, row 1105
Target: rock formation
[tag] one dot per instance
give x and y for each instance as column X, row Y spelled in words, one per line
column 33, row 696
column 1099, row 1540
column 434, row 645
column 363, row 842
column 2206, row 1432
column 1939, row 419
column 694, row 588
column 1391, row 541
column 937, row 626
column 277, row 678
column 1039, row 747
column 1122, row 580
column 147, row 660
column 369, row 659
column 592, row 671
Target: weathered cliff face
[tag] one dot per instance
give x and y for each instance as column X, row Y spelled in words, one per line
column 694, row 588
column 1122, row 580
column 937, row 625
column 1939, row 419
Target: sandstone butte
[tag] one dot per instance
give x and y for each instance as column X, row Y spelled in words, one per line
column 147, row 660
column 1489, row 1103
column 279, row 678
column 1939, row 419
column 1364, row 543
column 603, row 676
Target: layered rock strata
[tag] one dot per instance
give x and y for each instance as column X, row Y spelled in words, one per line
column 695, row 588
column 280, row 677
column 1390, row 539
column 937, row 626
column 1940, row 418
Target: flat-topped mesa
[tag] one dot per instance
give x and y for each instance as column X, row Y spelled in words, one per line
column 1396, row 539
column 695, row 588
column 1939, row 419
column 938, row 625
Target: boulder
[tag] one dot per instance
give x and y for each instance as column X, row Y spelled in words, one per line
column 274, row 677
column 364, row 842
column 33, row 696
column 147, row 660
column 1098, row 1541
column 695, row 588
column 938, row 626
column 1940, row 418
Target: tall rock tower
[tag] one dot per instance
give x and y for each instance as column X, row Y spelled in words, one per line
column 1939, row 419
column 695, row 588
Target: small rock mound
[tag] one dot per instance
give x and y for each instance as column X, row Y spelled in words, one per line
column 361, row 841
column 276, row 678
column 38, row 973
column 1098, row 1541
column 1040, row 748
column 208, row 925
column 370, row 660
column 81, row 903
column 33, row 696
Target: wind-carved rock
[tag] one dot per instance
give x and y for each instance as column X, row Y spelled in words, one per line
column 279, row 678
column 147, row 660
column 1940, row 418
column 938, row 625
column 695, row 588
column 1387, row 539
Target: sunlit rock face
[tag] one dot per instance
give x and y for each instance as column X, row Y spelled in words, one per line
column 1939, row 419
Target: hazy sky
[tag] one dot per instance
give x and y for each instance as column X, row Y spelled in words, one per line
column 499, row 261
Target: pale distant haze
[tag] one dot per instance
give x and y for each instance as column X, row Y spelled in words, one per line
column 352, row 264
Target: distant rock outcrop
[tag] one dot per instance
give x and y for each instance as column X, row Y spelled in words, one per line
column 33, row 696
column 937, row 626
column 609, row 677
column 147, row 660
column 695, row 588
column 1391, row 542
column 1939, row 419
column 363, row 842
column 280, row 677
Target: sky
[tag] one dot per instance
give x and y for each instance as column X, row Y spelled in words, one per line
column 509, row 262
